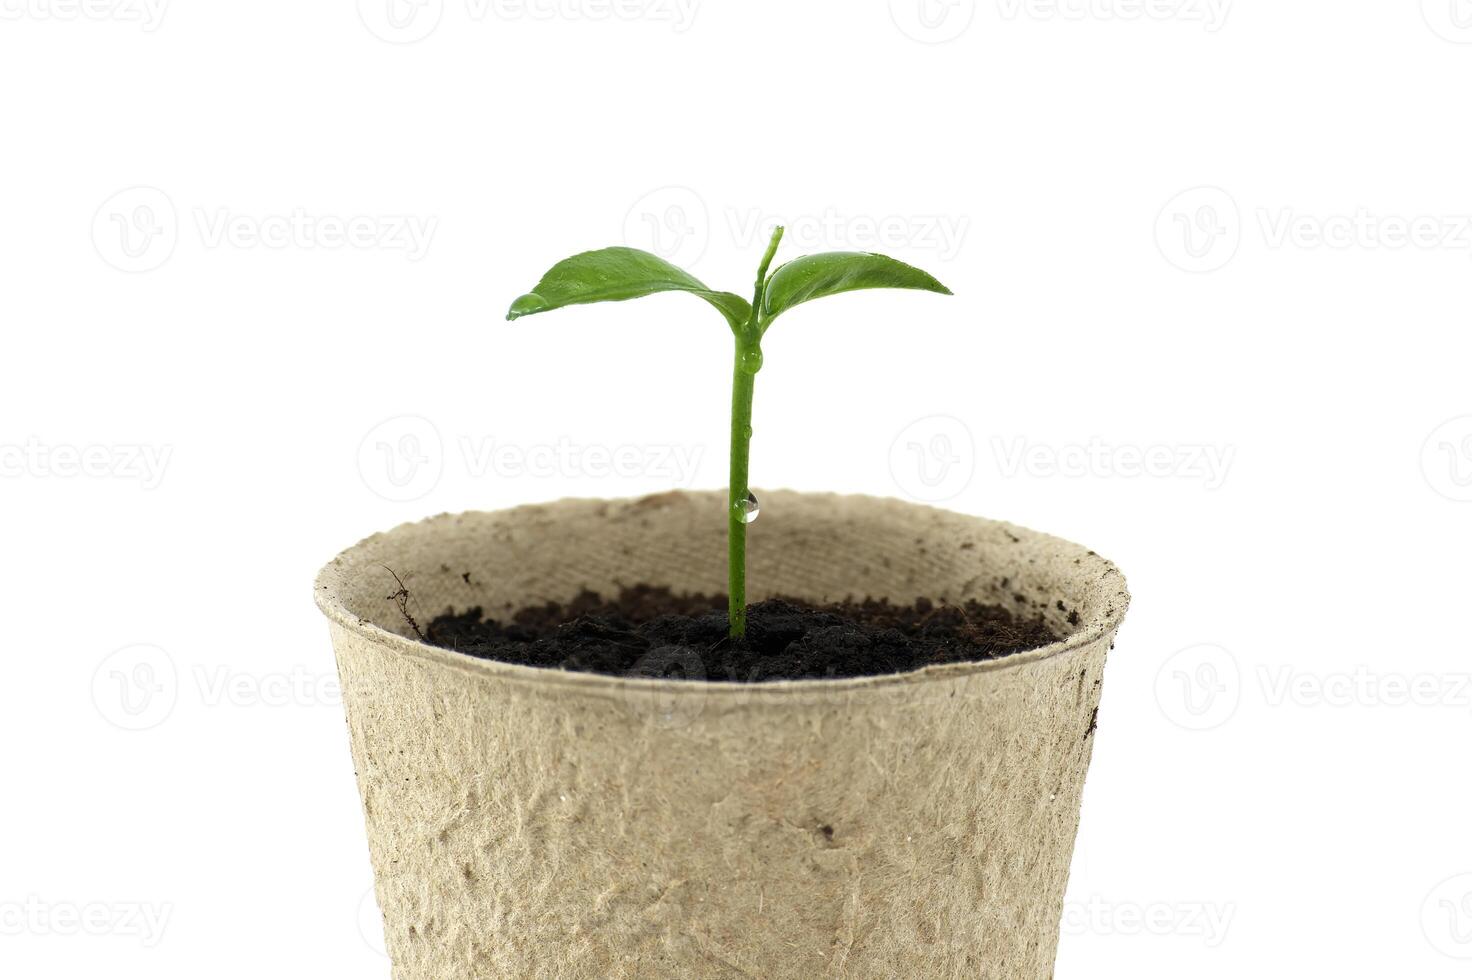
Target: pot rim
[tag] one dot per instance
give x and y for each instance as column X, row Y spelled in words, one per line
column 1088, row 632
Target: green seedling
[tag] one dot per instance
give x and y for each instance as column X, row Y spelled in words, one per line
column 628, row 273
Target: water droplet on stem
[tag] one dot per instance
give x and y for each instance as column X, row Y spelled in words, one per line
column 750, row 509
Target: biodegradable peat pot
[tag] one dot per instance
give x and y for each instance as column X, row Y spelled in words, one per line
column 535, row 823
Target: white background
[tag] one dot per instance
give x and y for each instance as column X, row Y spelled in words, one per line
column 1231, row 240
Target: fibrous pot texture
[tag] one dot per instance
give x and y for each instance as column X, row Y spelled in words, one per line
column 534, row 823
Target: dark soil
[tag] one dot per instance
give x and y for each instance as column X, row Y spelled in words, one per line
column 650, row 632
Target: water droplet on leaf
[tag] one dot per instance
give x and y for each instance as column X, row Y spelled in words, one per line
column 530, row 303
column 751, row 361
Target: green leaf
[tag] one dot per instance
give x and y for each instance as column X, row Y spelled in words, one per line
column 618, row 274
column 816, row 276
